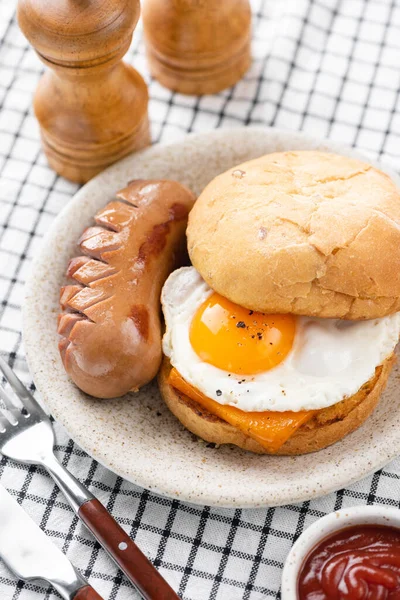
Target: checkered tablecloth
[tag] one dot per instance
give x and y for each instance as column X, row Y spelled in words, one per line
column 327, row 67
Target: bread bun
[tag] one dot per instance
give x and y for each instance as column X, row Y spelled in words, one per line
column 308, row 233
column 328, row 426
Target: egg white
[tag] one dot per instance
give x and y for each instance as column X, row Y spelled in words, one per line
column 330, row 359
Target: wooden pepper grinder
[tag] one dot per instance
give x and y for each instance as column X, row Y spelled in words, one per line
column 197, row 46
column 91, row 106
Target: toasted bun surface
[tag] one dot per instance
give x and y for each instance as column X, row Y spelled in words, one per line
column 307, row 232
column 328, row 426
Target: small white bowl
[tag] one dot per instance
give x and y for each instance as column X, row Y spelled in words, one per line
column 325, row 527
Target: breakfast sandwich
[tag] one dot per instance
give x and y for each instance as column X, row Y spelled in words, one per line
column 280, row 338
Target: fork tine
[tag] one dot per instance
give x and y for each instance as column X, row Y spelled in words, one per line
column 4, row 423
column 21, row 391
column 9, row 404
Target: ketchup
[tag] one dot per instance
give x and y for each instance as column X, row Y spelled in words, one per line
column 357, row 563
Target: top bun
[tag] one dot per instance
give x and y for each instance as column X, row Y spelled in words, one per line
column 308, row 233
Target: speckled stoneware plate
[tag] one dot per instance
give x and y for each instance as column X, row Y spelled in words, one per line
column 128, row 435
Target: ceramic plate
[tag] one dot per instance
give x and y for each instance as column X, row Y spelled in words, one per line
column 136, row 436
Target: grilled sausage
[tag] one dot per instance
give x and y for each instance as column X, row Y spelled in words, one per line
column 110, row 324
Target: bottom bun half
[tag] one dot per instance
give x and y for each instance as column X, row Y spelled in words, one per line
column 328, row 425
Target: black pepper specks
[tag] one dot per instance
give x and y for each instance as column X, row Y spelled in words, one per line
column 218, row 392
column 241, row 324
column 262, row 233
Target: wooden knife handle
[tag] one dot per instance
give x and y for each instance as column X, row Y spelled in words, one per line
column 124, row 551
column 87, row 593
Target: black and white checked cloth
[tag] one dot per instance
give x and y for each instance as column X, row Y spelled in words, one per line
column 327, row 67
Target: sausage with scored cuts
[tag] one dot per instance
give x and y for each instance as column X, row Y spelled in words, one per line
column 110, row 325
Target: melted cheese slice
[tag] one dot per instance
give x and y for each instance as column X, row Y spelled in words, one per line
column 270, row 429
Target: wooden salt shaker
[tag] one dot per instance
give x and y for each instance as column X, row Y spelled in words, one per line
column 91, row 106
column 197, row 46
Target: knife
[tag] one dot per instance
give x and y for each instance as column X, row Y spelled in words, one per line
column 30, row 554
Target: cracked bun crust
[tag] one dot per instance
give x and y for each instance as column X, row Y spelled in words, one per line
column 308, row 233
column 328, row 425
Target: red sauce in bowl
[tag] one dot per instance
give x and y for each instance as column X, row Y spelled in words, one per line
column 357, row 563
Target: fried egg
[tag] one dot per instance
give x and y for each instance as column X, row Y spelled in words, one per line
column 260, row 362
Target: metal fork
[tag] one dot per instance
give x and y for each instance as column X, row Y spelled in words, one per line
column 27, row 436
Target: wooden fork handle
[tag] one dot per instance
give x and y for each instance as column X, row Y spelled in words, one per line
column 124, row 551
column 87, row 593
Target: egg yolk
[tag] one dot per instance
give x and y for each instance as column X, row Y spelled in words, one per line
column 239, row 340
